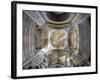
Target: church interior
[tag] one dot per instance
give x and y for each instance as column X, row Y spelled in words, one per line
column 55, row 39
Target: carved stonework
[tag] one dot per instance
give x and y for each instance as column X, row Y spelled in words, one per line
column 38, row 61
column 53, row 40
